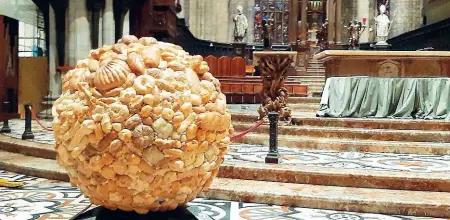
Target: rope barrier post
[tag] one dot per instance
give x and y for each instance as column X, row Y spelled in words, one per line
column 5, row 127
column 27, row 134
column 273, row 156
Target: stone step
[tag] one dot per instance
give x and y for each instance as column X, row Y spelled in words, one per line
column 329, row 176
column 368, row 123
column 298, row 100
column 393, row 202
column 354, row 145
column 304, row 107
column 356, row 133
column 285, row 173
column 313, row 74
column 32, row 166
column 27, row 147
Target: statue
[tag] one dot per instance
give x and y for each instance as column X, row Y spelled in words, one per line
column 322, row 36
column 240, row 25
column 355, row 29
column 383, row 26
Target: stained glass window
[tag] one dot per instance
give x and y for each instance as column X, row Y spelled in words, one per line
column 276, row 13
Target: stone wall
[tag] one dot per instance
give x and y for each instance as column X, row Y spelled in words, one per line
column 213, row 20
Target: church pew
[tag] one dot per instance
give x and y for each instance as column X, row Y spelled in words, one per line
column 249, row 93
column 224, row 66
column 213, row 64
column 237, row 67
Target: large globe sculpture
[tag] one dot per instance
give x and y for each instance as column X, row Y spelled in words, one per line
column 141, row 125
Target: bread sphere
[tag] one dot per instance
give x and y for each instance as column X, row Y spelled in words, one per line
column 141, row 125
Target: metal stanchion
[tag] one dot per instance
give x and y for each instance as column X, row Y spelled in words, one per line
column 5, row 127
column 273, row 156
column 27, row 134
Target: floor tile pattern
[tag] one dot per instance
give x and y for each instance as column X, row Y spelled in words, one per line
column 346, row 159
column 51, row 200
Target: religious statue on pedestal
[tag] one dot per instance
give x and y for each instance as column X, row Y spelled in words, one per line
column 322, row 36
column 240, row 25
column 355, row 29
column 383, row 26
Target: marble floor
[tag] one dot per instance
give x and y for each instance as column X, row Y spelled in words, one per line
column 46, row 200
column 344, row 159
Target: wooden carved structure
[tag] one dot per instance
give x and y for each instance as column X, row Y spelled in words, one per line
column 156, row 18
column 9, row 72
column 274, row 95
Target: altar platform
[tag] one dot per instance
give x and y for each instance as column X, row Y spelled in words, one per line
column 385, row 63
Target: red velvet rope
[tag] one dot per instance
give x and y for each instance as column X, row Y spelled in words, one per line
column 39, row 122
column 259, row 123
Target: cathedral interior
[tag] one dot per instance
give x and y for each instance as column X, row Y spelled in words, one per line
column 225, row 109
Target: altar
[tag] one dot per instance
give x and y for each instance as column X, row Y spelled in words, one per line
column 340, row 63
column 359, row 97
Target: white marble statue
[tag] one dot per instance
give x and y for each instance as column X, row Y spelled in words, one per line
column 240, row 25
column 383, row 26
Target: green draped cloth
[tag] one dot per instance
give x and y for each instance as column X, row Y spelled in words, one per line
column 357, row 97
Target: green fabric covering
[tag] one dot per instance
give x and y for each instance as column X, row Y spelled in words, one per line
column 357, row 97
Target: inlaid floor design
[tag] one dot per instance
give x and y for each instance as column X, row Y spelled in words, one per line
column 344, row 159
column 45, row 200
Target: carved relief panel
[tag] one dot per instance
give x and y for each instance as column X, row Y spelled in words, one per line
column 388, row 68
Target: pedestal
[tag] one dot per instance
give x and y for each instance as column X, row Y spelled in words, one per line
column 28, row 133
column 181, row 213
column 381, row 46
column 239, row 49
column 273, row 156
column 6, row 128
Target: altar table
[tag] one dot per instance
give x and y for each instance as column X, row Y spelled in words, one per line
column 357, row 97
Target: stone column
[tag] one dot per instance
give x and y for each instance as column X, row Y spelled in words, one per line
column 363, row 11
column 303, row 27
column 293, row 16
column 108, row 23
column 404, row 22
column 78, row 33
column 54, row 83
column 338, row 21
column 126, row 24
column 331, row 11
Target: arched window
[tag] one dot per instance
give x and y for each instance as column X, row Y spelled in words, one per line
column 276, row 13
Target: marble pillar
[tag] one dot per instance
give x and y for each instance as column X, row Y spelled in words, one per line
column 331, row 11
column 78, row 33
column 363, row 11
column 403, row 22
column 126, row 24
column 293, row 16
column 108, row 29
column 339, row 23
column 54, row 76
column 303, row 27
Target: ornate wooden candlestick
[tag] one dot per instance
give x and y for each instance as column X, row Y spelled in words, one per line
column 274, row 95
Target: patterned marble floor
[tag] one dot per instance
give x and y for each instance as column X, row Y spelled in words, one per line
column 50, row 200
column 340, row 159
